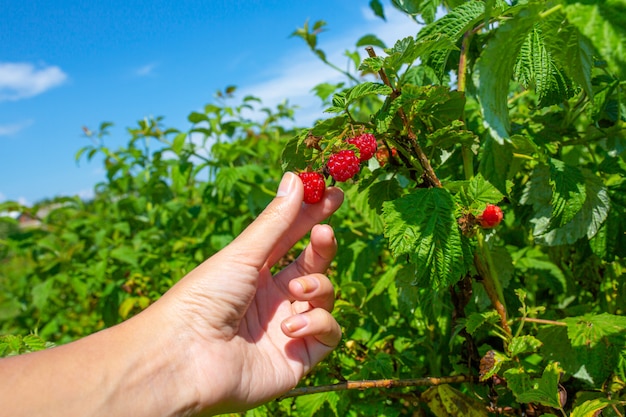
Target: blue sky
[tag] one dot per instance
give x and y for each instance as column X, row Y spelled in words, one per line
column 68, row 64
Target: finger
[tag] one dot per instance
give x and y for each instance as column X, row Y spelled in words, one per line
column 315, row 258
column 314, row 291
column 309, row 216
column 317, row 323
column 283, row 222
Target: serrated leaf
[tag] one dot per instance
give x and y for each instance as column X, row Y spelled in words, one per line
column 536, row 68
column 523, row 344
column 451, row 27
column 495, row 162
column 591, row 408
column 589, row 330
column 584, row 223
column 479, row 192
column 381, row 191
column 309, row 405
column 610, row 241
column 603, row 23
column 568, row 192
column 365, row 89
column 34, row 342
column 544, row 390
column 445, row 401
column 572, row 51
column 496, row 65
column 477, row 320
column 373, row 64
column 422, row 225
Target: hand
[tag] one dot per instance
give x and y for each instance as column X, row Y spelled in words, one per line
column 254, row 334
column 226, row 337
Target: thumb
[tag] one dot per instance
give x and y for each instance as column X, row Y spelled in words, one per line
column 257, row 241
column 283, row 222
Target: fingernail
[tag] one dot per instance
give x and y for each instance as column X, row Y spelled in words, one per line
column 307, row 285
column 286, row 184
column 295, row 323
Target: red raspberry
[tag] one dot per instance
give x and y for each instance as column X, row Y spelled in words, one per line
column 366, row 143
column 314, row 186
column 343, row 165
column 491, row 217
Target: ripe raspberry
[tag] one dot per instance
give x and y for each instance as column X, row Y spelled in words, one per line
column 366, row 143
column 314, row 186
column 343, row 165
column 491, row 217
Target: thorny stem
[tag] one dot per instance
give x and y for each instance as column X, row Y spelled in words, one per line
column 490, row 280
column 466, row 151
column 429, row 172
column 376, row 383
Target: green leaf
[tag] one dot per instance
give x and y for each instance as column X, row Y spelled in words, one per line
column 364, row 89
column 310, row 405
column 195, row 117
column 377, row 8
column 550, row 192
column 125, row 254
column 572, row 51
column 568, row 192
column 544, row 390
column 178, row 143
column 496, row 65
column 495, row 163
column 523, row 344
column 610, row 241
column 589, row 330
column 591, row 408
column 479, row 192
column 604, row 24
column 536, row 68
column 477, row 320
column 450, row 27
column 422, row 225
column 445, row 401
column 370, row 40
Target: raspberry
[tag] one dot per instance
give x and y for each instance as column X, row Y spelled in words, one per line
column 343, row 165
column 366, row 143
column 491, row 217
column 314, row 186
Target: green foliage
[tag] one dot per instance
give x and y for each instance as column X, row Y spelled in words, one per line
column 518, row 104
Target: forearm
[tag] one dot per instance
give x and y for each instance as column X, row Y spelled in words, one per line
column 125, row 370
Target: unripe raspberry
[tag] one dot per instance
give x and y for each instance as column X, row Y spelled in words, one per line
column 343, row 165
column 314, row 186
column 491, row 216
column 366, row 143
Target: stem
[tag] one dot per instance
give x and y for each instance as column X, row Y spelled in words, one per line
column 376, row 383
column 490, row 281
column 466, row 152
column 421, row 156
column 548, row 12
column 543, row 321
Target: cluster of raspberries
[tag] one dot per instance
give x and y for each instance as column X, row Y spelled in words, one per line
column 341, row 165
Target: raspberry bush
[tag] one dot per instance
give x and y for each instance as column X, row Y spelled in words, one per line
column 515, row 105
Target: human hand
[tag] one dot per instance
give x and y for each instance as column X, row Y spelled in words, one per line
column 247, row 336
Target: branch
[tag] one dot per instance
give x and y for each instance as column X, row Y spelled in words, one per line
column 375, row 383
column 429, row 172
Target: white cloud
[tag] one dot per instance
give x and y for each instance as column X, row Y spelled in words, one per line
column 146, row 70
column 13, row 128
column 19, row 80
column 294, row 76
